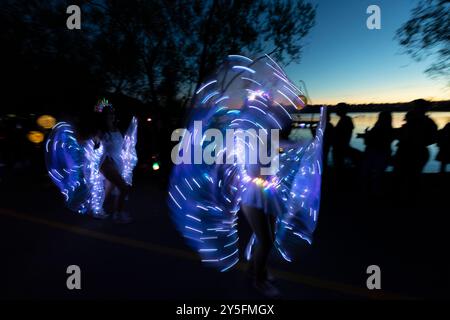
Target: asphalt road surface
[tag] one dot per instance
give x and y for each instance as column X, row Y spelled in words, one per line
column 148, row 259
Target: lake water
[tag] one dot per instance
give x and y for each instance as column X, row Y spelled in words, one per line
column 363, row 120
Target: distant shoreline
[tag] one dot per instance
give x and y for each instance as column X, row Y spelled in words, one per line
column 440, row 106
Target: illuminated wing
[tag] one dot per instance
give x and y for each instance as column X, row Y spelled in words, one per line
column 204, row 198
column 128, row 154
column 299, row 194
column 65, row 161
column 94, row 156
column 204, row 208
column 75, row 169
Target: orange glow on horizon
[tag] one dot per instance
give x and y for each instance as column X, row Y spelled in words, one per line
column 395, row 95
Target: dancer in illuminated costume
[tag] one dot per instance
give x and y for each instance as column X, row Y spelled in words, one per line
column 282, row 204
column 88, row 168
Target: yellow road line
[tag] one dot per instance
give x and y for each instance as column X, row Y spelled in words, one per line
column 285, row 275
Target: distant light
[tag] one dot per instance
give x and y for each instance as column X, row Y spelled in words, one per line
column 155, row 166
column 35, row 136
column 149, row 119
column 253, row 94
column 46, row 121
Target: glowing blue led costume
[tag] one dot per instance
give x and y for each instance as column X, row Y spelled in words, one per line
column 245, row 97
column 75, row 167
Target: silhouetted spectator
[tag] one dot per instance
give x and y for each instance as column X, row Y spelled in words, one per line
column 414, row 137
column 443, row 142
column 342, row 136
column 378, row 151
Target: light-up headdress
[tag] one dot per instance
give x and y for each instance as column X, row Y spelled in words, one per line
column 102, row 104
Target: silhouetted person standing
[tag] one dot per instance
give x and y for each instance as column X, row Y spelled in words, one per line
column 342, row 136
column 414, row 137
column 378, row 151
column 443, row 141
column 412, row 154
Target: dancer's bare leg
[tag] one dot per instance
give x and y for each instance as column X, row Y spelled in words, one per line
column 110, row 172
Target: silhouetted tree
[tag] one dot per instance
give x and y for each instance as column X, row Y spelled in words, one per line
column 427, row 33
column 180, row 42
column 155, row 50
column 43, row 63
column 248, row 27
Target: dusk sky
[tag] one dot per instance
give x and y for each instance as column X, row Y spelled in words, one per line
column 345, row 61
